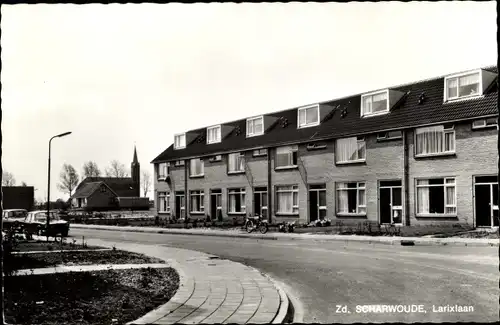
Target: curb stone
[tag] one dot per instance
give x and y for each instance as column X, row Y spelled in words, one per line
column 318, row 237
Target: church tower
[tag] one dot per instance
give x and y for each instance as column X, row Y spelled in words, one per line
column 135, row 171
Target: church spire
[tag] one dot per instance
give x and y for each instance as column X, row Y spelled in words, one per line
column 135, row 161
column 135, row 169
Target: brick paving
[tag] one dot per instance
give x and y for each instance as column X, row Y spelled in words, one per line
column 211, row 290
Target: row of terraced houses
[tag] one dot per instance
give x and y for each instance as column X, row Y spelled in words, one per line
column 416, row 154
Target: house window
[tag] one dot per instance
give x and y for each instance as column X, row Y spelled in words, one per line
column 308, row 116
column 435, row 140
column 236, row 199
column 259, row 152
column 287, row 199
column 286, row 156
column 163, row 170
column 164, row 202
column 236, row 162
column 255, row 126
column 179, row 163
column 180, row 141
column 215, row 158
column 484, row 123
column 213, row 134
column 436, row 196
column 197, row 205
column 462, row 86
column 351, row 198
column 391, row 135
column 197, row 167
column 375, row 103
column 351, row 149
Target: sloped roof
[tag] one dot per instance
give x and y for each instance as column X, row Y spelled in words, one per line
column 407, row 114
column 86, row 189
column 122, row 186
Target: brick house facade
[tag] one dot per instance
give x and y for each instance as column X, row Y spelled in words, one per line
column 428, row 157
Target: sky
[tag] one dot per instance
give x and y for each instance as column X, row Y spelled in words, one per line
column 121, row 75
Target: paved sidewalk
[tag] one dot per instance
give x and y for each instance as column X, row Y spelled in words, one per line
column 211, row 290
column 286, row 236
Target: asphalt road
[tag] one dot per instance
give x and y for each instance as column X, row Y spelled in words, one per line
column 325, row 275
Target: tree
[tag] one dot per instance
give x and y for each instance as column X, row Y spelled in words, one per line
column 117, row 169
column 146, row 182
column 90, row 169
column 8, row 179
column 69, row 179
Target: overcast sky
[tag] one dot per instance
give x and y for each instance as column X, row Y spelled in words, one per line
column 116, row 74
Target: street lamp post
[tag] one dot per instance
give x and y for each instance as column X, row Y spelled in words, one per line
column 48, row 186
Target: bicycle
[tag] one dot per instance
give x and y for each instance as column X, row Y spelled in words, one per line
column 255, row 222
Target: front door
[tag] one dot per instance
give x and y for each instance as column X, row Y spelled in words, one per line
column 317, row 202
column 391, row 202
column 260, row 201
column 180, row 205
column 215, row 203
column 486, row 201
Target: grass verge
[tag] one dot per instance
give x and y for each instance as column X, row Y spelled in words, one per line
column 103, row 297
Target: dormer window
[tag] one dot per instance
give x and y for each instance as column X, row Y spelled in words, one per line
column 180, row 141
column 213, row 134
column 255, row 126
column 308, row 116
column 375, row 103
column 466, row 85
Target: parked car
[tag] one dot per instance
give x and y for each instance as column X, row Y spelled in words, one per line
column 36, row 223
column 13, row 217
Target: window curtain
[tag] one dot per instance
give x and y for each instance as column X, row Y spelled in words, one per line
column 283, row 156
column 285, row 202
column 469, row 80
column 468, row 85
column 367, row 104
column 241, row 162
column 302, row 117
column 232, row 202
column 285, row 199
column 450, row 199
column 346, row 149
column 236, row 162
column 232, row 162
column 250, row 127
column 452, row 87
column 379, row 102
column 194, row 203
column 430, row 140
column 343, row 202
column 257, row 125
column 449, row 144
column 361, row 149
column 311, row 115
column 423, row 197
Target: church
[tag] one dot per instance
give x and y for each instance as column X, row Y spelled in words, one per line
column 111, row 193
